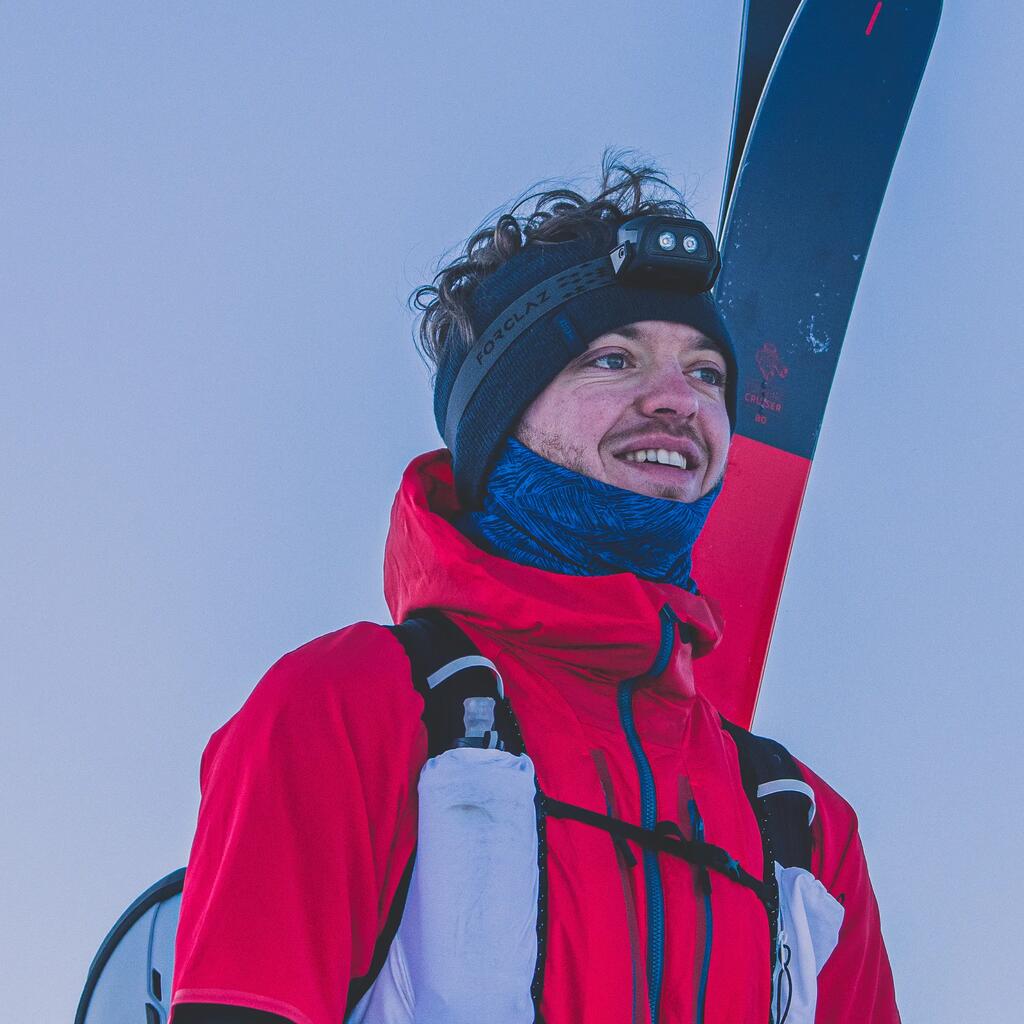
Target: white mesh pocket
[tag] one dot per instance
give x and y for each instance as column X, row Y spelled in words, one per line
column 809, row 922
column 466, row 948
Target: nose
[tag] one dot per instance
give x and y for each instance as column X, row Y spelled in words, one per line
column 668, row 391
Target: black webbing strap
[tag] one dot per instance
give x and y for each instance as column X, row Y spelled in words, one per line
column 665, row 837
column 781, row 817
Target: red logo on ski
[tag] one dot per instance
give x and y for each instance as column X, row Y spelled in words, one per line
column 771, row 367
column 770, row 363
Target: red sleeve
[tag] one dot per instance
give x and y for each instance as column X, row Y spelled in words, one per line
column 306, row 824
column 855, row 985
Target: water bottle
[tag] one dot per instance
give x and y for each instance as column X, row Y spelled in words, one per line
column 466, row 947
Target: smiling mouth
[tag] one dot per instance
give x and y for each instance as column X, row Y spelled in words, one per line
column 659, row 456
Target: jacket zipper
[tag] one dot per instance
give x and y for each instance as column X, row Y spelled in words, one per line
column 648, row 813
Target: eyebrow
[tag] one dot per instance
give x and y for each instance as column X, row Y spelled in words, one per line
column 630, row 333
column 715, row 346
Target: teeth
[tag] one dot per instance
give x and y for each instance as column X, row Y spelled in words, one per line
column 659, row 455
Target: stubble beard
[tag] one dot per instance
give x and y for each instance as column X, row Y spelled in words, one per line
column 554, row 449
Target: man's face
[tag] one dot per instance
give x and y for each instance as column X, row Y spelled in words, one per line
column 643, row 409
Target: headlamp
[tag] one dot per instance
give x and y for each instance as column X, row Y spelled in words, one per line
column 666, row 251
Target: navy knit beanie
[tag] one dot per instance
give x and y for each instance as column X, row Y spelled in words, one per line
column 574, row 313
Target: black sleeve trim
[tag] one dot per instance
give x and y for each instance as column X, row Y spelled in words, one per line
column 215, row 1013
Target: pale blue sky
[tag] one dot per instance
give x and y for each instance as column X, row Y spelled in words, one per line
column 211, row 214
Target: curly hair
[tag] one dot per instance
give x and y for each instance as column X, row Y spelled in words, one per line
column 558, row 215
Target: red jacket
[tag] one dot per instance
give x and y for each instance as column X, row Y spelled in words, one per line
column 308, row 813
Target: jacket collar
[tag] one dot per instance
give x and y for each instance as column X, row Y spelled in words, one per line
column 610, row 627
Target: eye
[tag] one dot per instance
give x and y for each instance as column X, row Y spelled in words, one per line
column 610, row 361
column 711, row 375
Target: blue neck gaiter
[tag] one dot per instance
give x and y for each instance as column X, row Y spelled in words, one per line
column 541, row 514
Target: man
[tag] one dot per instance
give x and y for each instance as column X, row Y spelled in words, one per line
column 588, row 418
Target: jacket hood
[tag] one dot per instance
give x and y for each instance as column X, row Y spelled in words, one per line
column 608, row 626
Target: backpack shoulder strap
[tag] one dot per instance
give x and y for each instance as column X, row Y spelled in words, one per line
column 782, row 801
column 447, row 668
column 784, row 807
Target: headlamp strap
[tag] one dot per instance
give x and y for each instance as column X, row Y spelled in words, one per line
column 512, row 322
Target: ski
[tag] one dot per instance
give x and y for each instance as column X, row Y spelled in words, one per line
column 762, row 30
column 808, row 190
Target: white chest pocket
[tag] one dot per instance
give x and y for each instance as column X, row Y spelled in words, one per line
column 466, row 947
column 809, row 922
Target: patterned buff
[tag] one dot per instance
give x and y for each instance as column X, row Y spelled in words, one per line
column 541, row 514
